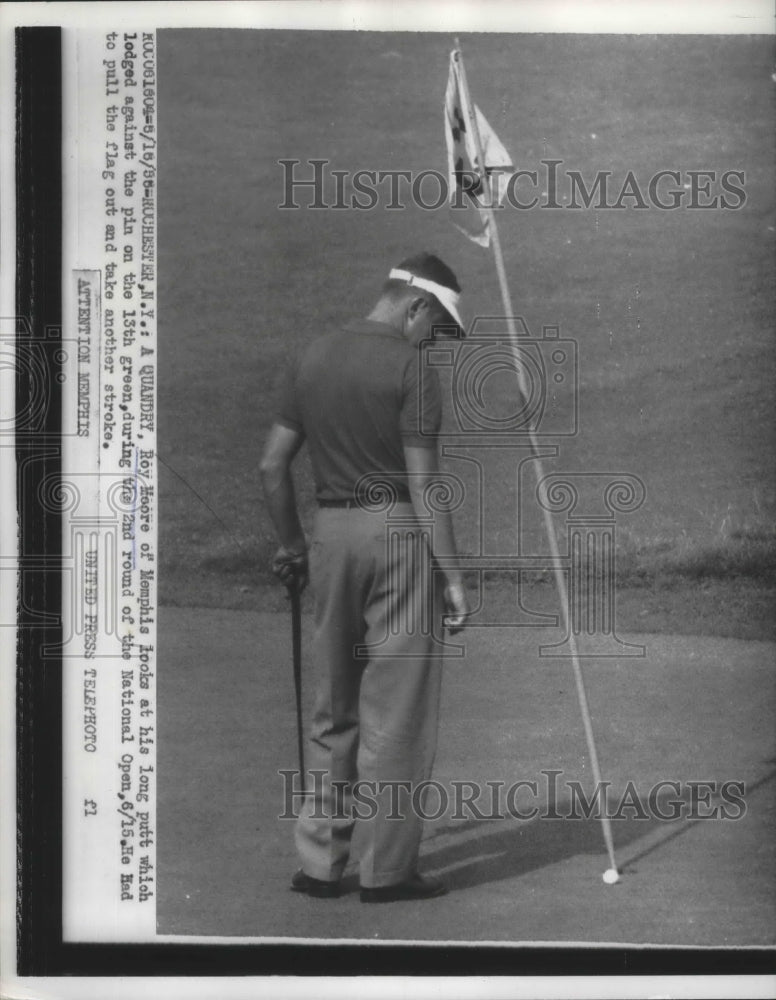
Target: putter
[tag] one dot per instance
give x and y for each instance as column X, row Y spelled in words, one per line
column 296, row 652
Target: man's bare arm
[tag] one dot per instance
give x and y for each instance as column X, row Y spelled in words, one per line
column 279, row 452
column 423, row 468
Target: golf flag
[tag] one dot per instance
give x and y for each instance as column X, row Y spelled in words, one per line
column 468, row 190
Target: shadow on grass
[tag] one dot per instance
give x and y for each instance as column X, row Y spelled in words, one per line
column 748, row 553
column 476, row 852
column 683, row 826
column 494, row 851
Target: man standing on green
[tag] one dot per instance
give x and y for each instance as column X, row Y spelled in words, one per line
column 367, row 408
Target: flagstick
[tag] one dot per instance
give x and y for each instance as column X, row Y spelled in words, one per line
column 524, row 389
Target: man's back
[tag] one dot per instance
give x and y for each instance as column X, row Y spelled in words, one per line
column 357, row 394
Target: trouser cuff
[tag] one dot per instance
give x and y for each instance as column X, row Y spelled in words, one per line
column 379, row 880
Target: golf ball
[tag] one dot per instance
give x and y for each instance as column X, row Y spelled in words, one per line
column 611, row 876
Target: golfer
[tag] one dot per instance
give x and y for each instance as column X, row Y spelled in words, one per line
column 370, row 412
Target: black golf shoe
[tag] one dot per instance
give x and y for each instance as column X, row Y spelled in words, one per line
column 418, row 887
column 300, row 882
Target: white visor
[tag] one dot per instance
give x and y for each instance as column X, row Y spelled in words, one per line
column 445, row 296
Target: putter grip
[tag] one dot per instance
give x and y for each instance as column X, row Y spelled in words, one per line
column 296, row 649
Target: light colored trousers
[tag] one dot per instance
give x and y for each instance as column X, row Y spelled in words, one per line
column 376, row 708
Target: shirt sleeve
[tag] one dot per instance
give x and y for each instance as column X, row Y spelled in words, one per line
column 421, row 412
column 288, row 412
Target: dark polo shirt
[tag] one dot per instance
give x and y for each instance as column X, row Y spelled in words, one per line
column 358, row 396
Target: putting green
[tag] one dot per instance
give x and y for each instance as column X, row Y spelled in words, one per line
column 692, row 710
